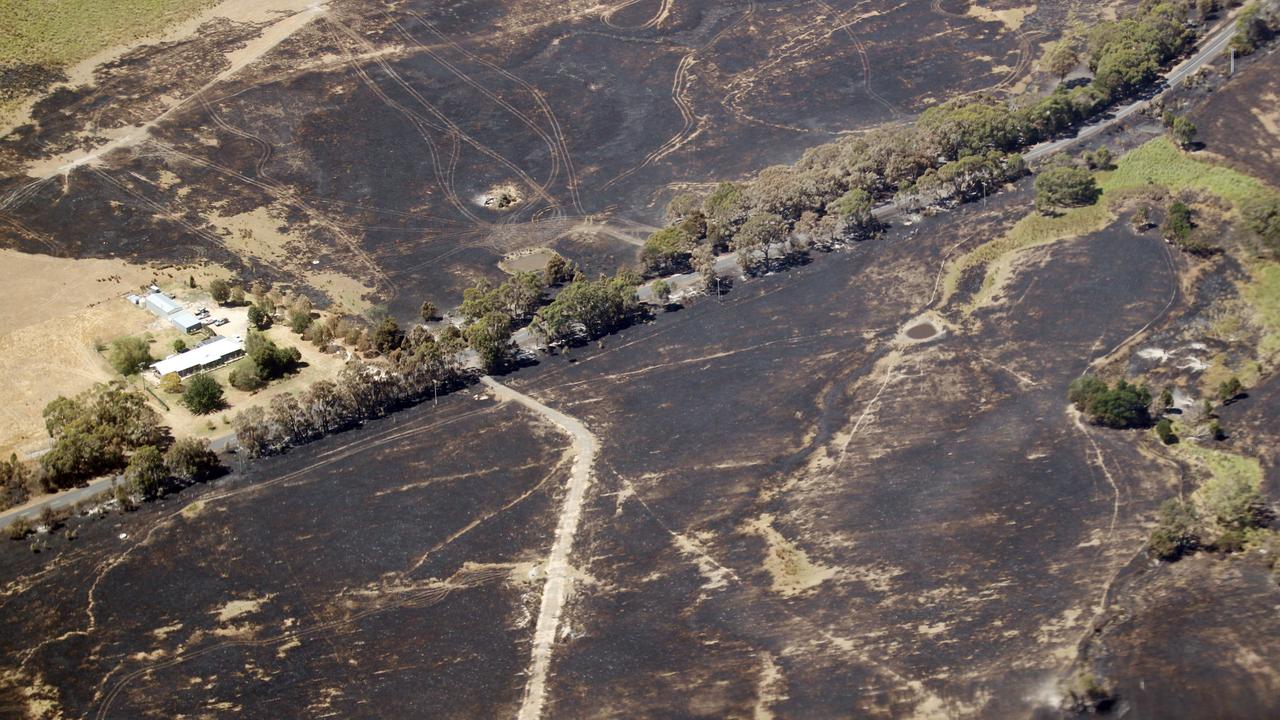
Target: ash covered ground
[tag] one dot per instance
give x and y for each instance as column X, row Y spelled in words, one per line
column 365, row 143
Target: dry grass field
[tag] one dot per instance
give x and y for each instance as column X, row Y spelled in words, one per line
column 56, row 357
column 56, row 313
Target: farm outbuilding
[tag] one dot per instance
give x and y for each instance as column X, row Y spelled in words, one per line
column 185, row 321
column 161, row 305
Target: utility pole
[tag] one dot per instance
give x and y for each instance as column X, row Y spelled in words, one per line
column 1233, row 62
column 435, row 393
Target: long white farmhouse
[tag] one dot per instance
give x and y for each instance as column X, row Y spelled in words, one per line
column 211, row 354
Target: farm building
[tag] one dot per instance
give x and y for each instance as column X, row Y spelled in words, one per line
column 161, row 305
column 185, row 321
column 208, row 355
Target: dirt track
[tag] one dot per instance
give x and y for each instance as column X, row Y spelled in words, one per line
column 556, row 571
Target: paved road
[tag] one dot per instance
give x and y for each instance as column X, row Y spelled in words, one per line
column 1210, row 48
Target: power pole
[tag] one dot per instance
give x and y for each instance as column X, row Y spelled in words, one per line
column 1233, row 62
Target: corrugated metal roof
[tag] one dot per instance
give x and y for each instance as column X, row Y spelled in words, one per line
column 162, row 304
column 184, row 320
column 199, row 356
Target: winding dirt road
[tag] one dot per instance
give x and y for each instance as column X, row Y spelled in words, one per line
column 556, row 570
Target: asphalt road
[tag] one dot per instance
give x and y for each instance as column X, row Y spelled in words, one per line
column 1210, row 49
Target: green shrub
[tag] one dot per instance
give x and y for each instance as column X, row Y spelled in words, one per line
column 146, row 471
column 1177, row 222
column 1065, row 186
column 1176, row 532
column 387, row 336
column 1164, row 430
column 1122, row 406
column 1183, row 132
column 220, row 290
column 1216, row 431
column 666, row 251
column 1252, row 29
column 258, row 318
column 1262, row 216
column 1234, row 502
column 1230, row 541
column 1084, row 389
column 19, row 528
column 299, row 322
column 1230, row 389
column 490, row 337
column 190, row 459
column 271, row 360
column 247, row 376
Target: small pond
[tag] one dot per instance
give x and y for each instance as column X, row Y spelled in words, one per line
column 922, row 331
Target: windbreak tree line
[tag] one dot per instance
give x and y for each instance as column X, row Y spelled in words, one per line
column 422, row 366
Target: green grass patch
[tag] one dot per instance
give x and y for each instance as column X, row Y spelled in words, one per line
column 63, row 32
column 1263, row 295
column 1158, row 163
column 1222, row 465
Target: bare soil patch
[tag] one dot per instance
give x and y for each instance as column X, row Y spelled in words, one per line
column 534, row 260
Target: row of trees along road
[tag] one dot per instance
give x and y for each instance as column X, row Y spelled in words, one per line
column 589, row 308
column 420, row 366
column 106, row 429
column 956, row 151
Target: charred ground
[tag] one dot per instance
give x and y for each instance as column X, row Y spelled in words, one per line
column 796, row 510
column 364, row 143
column 329, row 581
